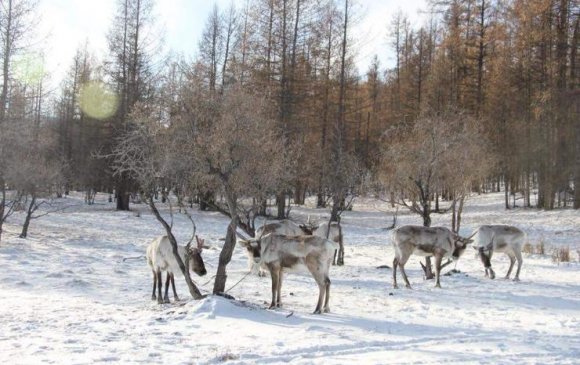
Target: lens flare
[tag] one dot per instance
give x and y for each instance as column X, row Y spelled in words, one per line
column 29, row 68
column 97, row 100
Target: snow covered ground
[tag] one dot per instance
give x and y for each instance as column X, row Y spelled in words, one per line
column 67, row 297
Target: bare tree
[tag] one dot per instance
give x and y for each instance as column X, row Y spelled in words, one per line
column 9, row 197
column 437, row 151
column 141, row 153
column 235, row 147
column 16, row 24
column 131, row 46
column 35, row 171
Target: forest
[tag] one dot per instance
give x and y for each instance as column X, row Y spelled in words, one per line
column 272, row 117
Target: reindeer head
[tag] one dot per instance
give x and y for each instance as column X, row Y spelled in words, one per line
column 460, row 244
column 309, row 227
column 253, row 248
column 195, row 260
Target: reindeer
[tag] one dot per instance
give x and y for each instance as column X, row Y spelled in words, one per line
column 284, row 227
column 425, row 241
column 500, row 238
column 289, row 228
column 160, row 258
column 333, row 234
column 279, row 252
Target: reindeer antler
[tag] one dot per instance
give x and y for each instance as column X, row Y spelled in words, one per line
column 263, row 228
column 200, row 243
column 194, row 229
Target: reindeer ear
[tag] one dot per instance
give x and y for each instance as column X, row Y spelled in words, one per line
column 244, row 243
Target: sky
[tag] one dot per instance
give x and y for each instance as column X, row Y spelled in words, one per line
column 64, row 25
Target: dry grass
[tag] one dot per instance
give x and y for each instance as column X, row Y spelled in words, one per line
column 538, row 249
column 541, row 247
column 227, row 356
column 561, row 254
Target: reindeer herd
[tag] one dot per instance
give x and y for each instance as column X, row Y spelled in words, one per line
column 287, row 246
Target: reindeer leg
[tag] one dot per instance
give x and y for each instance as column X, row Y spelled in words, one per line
column 175, row 297
column 321, row 292
column 491, row 272
column 334, row 260
column 153, row 296
column 438, row 259
column 520, row 261
column 395, row 263
column 261, row 272
column 167, row 280
column 274, row 276
column 159, row 285
column 327, row 296
column 402, row 262
column 315, row 269
column 278, row 296
column 512, row 261
column 340, row 259
column 486, row 261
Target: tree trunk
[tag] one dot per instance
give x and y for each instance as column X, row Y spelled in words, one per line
column 8, row 38
column 229, row 245
column 426, row 218
column 29, row 211
column 263, row 206
column 340, row 258
column 506, row 192
column 123, row 195
column 336, row 202
column 225, row 257
column 459, row 212
column 281, row 205
column 427, row 268
column 2, row 204
column 453, row 215
column 320, row 201
column 299, row 193
column 207, row 200
column 577, row 167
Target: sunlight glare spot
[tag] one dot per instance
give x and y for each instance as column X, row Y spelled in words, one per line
column 97, row 100
column 29, row 68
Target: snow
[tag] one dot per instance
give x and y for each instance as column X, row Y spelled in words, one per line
column 68, row 296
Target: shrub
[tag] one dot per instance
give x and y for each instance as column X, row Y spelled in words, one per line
column 561, row 254
column 540, row 247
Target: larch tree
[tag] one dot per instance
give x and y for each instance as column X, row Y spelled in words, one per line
column 129, row 66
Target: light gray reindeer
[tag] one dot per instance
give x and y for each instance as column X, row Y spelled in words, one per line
column 439, row 242
column 280, row 252
column 500, row 238
column 160, row 258
column 284, row 227
column 334, row 233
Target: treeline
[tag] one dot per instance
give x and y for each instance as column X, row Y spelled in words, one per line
column 482, row 97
